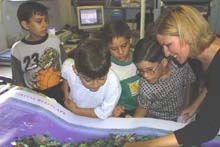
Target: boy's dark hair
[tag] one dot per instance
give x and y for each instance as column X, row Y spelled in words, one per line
column 92, row 59
column 116, row 28
column 27, row 9
column 148, row 49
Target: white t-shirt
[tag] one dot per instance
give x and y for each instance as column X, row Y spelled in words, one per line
column 124, row 72
column 103, row 101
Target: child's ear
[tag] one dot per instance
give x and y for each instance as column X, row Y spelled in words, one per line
column 74, row 69
column 25, row 25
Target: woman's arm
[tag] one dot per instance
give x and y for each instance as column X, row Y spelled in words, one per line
column 164, row 141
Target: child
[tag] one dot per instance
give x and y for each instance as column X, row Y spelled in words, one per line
column 117, row 36
column 37, row 58
column 94, row 89
column 163, row 85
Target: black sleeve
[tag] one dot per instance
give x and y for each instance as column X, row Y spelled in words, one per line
column 197, row 69
column 203, row 129
column 63, row 54
column 207, row 123
column 17, row 74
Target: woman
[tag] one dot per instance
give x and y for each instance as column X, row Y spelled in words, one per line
column 183, row 32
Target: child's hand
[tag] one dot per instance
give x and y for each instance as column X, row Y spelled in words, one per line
column 128, row 116
column 187, row 113
column 118, row 111
column 70, row 105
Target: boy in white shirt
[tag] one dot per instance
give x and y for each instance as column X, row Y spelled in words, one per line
column 94, row 89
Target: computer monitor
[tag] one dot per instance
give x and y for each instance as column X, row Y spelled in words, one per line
column 90, row 17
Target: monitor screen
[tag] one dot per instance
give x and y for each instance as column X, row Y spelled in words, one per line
column 90, row 17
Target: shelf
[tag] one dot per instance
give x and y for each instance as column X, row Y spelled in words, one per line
column 114, row 7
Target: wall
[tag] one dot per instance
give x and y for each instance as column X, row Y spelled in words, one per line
column 3, row 41
column 214, row 18
column 67, row 15
column 60, row 13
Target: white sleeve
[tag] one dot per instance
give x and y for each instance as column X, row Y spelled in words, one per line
column 65, row 67
column 112, row 95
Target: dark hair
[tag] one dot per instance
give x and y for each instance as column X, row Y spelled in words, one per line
column 116, row 28
column 148, row 49
column 92, row 59
column 149, row 19
column 27, row 9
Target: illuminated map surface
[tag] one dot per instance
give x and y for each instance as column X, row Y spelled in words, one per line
column 24, row 113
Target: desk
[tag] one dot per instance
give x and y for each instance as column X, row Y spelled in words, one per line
column 36, row 114
column 5, row 71
column 69, row 48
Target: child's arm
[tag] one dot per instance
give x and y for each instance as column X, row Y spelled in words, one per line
column 72, row 106
column 63, row 54
column 118, row 111
column 65, row 89
column 188, row 112
column 89, row 112
column 140, row 112
column 17, row 74
column 112, row 95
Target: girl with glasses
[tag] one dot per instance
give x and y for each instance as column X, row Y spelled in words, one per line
column 164, row 84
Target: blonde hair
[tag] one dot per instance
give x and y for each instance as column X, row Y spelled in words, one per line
column 188, row 24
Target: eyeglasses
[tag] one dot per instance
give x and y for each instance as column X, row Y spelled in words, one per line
column 148, row 71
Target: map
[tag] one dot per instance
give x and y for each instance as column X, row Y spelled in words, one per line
column 26, row 113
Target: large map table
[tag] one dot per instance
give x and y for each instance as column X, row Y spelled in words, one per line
column 24, row 112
